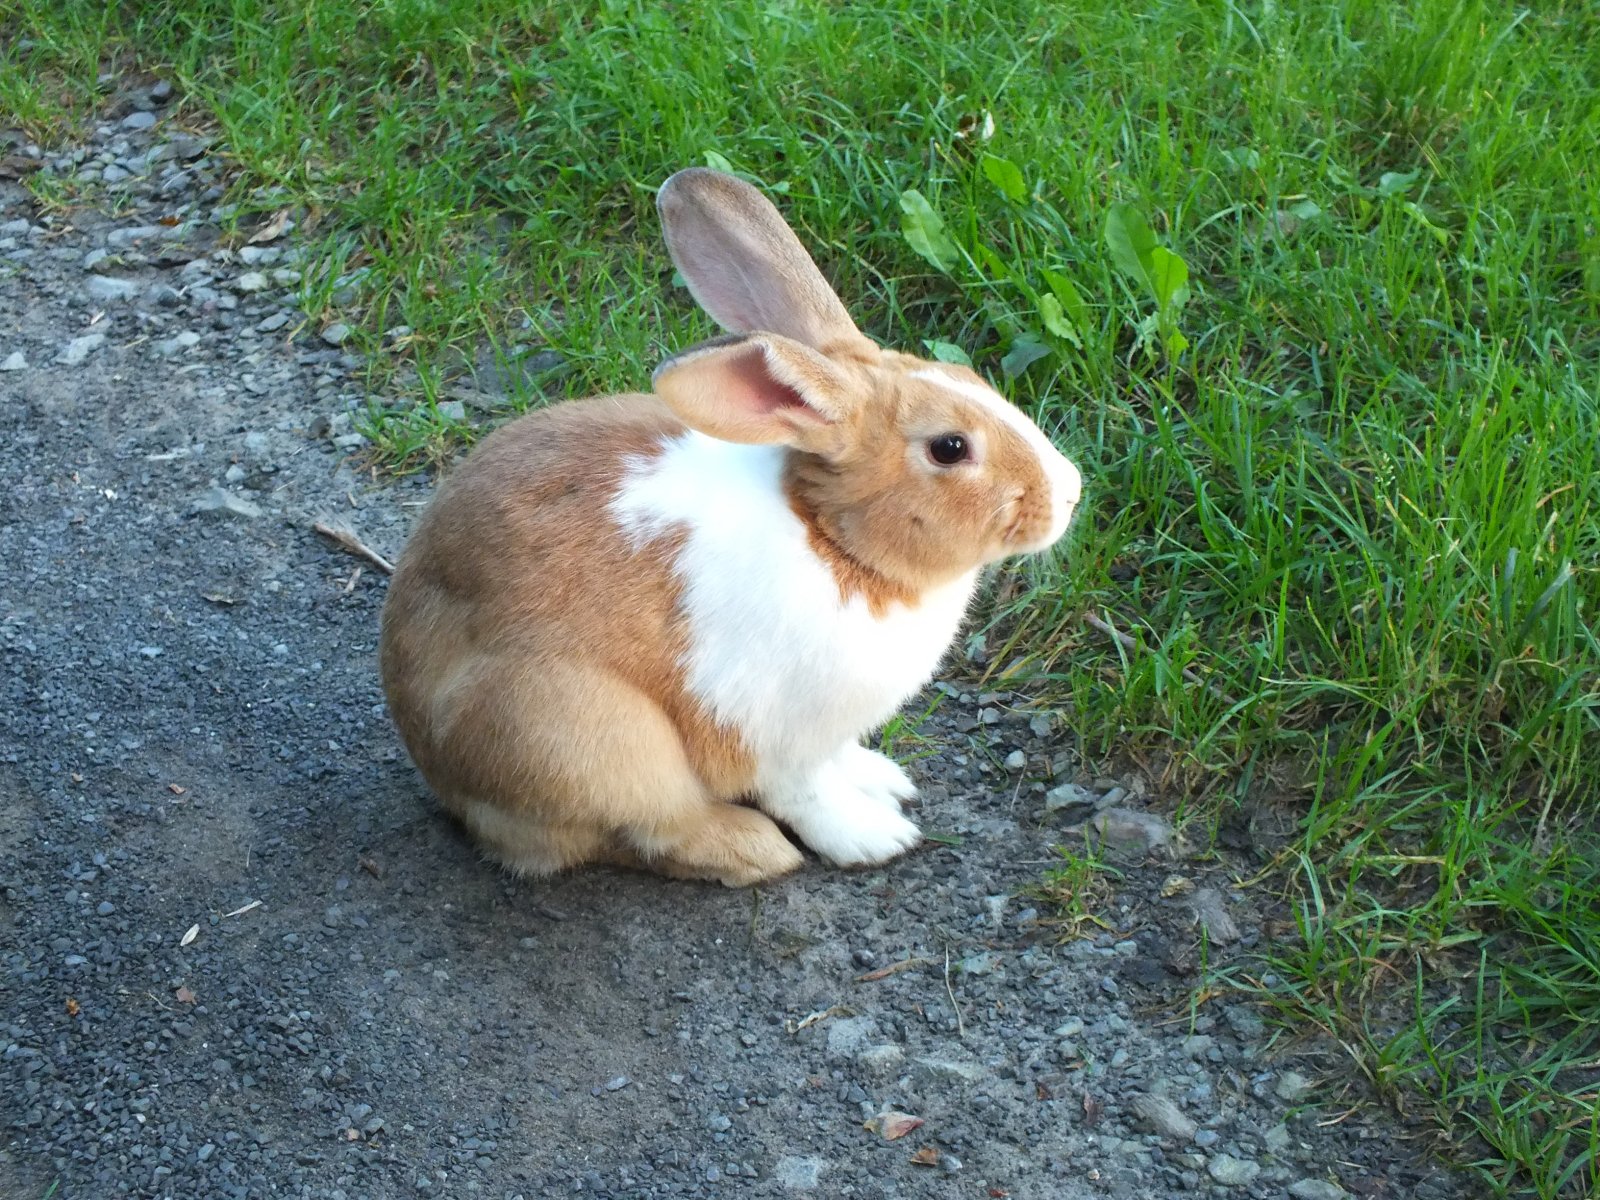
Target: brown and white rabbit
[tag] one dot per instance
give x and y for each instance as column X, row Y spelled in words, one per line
column 622, row 617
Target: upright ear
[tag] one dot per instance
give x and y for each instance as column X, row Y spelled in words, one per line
column 761, row 390
column 744, row 265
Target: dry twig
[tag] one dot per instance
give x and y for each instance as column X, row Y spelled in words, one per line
column 349, row 541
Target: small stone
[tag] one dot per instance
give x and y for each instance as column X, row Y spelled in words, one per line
column 881, row 1061
column 1245, row 1022
column 105, row 908
column 1066, row 796
column 163, row 295
column 617, row 1082
column 1162, row 1116
column 121, row 239
column 273, row 323
column 1039, row 725
column 798, row 1174
column 1016, row 760
column 15, row 361
column 931, row 1071
column 1317, row 1189
column 161, row 91
column 1131, row 831
column 1070, row 1028
column 337, row 334
column 1206, row 1138
column 1292, row 1087
column 109, row 290
column 177, row 344
column 138, row 120
column 1232, row 1172
column 1278, row 1140
column 979, row 964
column 95, row 257
column 221, row 502
column 79, row 348
column 205, row 1151
column 849, row 1036
column 453, row 410
column 1210, row 910
column 251, row 281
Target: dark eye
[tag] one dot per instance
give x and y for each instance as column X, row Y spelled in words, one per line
column 948, row 449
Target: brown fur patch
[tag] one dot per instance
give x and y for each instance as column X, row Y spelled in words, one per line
column 854, row 577
column 523, row 632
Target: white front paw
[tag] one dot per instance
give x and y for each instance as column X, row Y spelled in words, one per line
column 848, row 810
column 877, row 776
column 854, row 830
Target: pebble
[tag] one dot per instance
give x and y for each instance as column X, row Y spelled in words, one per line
column 798, row 1174
column 79, row 348
column 110, row 290
column 251, row 281
column 1317, row 1189
column 1245, row 1021
column 1232, row 1172
column 121, row 239
column 138, row 120
column 1292, row 1087
column 1130, row 831
column 1016, row 760
column 224, row 503
column 178, row 343
column 273, row 323
column 1067, row 795
column 15, row 361
column 1210, row 910
column 337, row 334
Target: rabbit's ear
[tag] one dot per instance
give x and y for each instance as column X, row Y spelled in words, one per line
column 761, row 390
column 745, row 266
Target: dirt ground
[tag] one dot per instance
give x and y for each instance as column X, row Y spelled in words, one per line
column 243, row 956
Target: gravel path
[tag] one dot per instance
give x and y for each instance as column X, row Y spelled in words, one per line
column 243, row 956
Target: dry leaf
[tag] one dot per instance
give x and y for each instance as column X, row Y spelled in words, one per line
column 243, row 908
column 176, row 789
column 189, row 935
column 72, row 1007
column 279, row 225
column 1176, row 885
column 185, row 996
column 893, row 968
column 892, row 1125
column 1092, row 1110
column 370, row 865
column 928, row 1156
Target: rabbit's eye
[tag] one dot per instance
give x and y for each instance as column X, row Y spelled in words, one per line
column 948, row 449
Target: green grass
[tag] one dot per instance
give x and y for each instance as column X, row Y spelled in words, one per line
column 1346, row 476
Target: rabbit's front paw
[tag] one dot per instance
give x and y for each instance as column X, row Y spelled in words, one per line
column 848, row 811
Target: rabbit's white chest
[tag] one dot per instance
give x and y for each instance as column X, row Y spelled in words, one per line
column 773, row 651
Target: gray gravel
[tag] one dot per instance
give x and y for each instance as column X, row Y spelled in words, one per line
column 244, row 957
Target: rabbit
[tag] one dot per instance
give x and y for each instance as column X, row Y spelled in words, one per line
column 652, row 630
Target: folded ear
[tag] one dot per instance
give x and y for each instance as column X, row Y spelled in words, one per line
column 760, row 390
column 745, row 266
